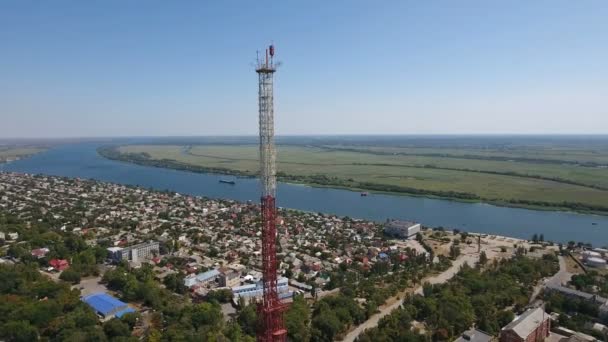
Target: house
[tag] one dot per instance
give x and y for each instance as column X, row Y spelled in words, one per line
column 532, row 326
column 59, row 264
column 474, row 335
column 40, row 252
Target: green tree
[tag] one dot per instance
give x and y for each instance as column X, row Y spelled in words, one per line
column 19, row 331
column 70, row 275
column 116, row 328
column 483, row 258
column 297, row 320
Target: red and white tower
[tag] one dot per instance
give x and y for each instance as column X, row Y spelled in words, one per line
column 270, row 311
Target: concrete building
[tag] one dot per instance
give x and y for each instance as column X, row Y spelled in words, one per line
column 474, row 335
column 532, row 326
column 401, row 229
column 229, row 279
column 135, row 253
column 256, row 290
column 202, row 279
column 578, row 294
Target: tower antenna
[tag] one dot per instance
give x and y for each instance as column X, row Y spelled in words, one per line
column 270, row 310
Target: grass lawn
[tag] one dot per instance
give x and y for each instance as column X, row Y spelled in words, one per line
column 406, row 170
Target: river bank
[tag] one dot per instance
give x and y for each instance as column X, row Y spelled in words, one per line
column 82, row 161
column 112, row 153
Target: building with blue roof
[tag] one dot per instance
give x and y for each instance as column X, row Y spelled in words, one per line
column 107, row 306
column 202, row 279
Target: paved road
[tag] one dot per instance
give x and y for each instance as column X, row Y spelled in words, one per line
column 471, row 259
column 563, row 276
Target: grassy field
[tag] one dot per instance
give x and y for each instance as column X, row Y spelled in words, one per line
column 458, row 170
column 8, row 153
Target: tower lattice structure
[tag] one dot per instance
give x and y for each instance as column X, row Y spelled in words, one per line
column 270, row 310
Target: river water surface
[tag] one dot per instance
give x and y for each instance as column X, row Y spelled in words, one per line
column 82, row 160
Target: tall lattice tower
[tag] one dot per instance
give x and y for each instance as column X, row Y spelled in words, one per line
column 270, row 311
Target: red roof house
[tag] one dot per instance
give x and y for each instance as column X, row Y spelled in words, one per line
column 59, row 264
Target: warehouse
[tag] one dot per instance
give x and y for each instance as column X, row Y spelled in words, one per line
column 107, row 306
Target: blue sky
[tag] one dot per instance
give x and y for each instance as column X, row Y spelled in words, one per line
column 128, row 68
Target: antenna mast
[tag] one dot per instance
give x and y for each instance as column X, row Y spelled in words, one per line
column 270, row 311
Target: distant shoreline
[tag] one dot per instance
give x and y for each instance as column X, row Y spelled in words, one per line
column 111, row 152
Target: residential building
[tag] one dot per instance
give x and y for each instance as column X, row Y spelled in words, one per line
column 532, row 326
column 474, row 335
column 40, row 252
column 59, row 264
column 401, row 229
column 142, row 251
column 229, row 279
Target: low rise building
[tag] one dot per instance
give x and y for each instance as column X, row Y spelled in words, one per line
column 532, row 326
column 402, row 229
column 202, row 279
column 59, row 264
column 40, row 252
column 229, row 279
column 257, row 290
column 107, row 306
column 474, row 335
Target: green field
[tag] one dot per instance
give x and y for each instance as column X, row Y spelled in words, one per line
column 457, row 173
column 8, row 153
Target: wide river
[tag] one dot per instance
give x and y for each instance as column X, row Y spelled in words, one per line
column 82, row 160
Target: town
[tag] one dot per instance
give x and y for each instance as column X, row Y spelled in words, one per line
column 87, row 233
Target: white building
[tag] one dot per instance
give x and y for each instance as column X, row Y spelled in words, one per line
column 257, row 290
column 596, row 262
column 402, row 229
column 142, row 251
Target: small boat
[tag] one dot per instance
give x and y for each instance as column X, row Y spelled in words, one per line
column 227, row 181
column 363, row 194
column 594, row 223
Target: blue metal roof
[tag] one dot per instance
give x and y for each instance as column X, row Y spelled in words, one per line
column 207, row 275
column 103, row 303
column 125, row 311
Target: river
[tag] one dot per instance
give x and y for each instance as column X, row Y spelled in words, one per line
column 81, row 160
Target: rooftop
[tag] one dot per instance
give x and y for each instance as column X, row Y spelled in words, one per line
column 104, row 304
column 525, row 324
column 474, row 335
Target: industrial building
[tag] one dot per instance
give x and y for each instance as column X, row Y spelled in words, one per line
column 257, row 290
column 202, row 279
column 135, row 253
column 532, row 326
column 401, row 229
column 107, row 306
